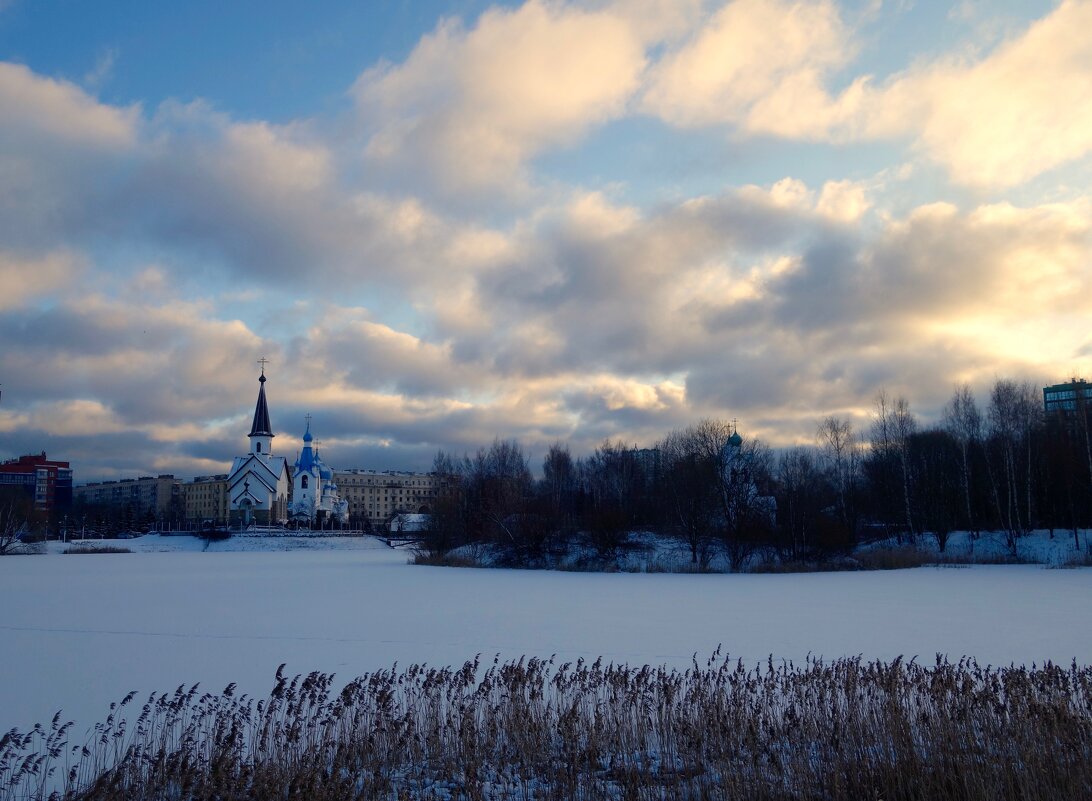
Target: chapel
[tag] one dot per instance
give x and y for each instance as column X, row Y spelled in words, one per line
column 315, row 497
column 258, row 484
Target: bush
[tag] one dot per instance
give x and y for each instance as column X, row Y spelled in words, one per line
column 95, row 549
column 893, row 558
column 1076, row 559
column 446, row 559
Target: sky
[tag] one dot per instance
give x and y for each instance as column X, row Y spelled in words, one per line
column 448, row 222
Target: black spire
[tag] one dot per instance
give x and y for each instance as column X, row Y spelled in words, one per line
column 261, row 427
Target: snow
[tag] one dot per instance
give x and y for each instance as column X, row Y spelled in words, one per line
column 1038, row 546
column 81, row 631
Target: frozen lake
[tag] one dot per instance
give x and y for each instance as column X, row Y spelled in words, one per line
column 81, row 631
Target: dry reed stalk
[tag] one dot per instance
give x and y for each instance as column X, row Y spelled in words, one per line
column 528, row 729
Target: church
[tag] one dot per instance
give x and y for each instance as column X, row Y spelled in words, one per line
column 259, row 484
column 315, row 497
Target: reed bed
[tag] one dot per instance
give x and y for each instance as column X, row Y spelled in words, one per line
column 533, row 729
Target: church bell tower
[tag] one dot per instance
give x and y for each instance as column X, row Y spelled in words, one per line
column 261, row 433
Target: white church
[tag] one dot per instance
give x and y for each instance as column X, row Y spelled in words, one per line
column 259, row 484
column 315, row 497
column 261, row 489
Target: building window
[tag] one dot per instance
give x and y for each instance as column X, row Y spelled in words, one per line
column 259, row 447
column 303, row 482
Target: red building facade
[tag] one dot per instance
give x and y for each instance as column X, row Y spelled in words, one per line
column 48, row 482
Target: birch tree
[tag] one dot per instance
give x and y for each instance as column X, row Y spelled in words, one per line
column 963, row 420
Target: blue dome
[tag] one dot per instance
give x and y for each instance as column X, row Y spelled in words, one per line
column 306, row 462
column 735, row 439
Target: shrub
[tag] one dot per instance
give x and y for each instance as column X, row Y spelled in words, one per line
column 446, row 559
column 96, row 549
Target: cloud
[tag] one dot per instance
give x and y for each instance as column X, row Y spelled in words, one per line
column 760, row 65
column 155, row 365
column 845, row 201
column 58, row 147
column 623, row 323
column 104, row 67
column 992, row 120
column 363, row 353
column 1022, row 110
column 33, row 106
column 238, row 200
column 407, row 321
column 28, row 278
column 475, row 104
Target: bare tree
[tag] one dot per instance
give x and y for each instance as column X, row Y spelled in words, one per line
column 963, row 421
column 612, row 478
column 448, row 519
column 892, row 426
column 15, row 510
column 503, row 480
column 1013, row 420
column 838, row 447
column 559, row 482
column 746, row 520
column 689, row 480
column 800, row 483
column 936, row 486
column 904, row 426
column 1084, row 423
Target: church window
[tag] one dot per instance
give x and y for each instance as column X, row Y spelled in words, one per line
column 259, row 447
column 303, row 484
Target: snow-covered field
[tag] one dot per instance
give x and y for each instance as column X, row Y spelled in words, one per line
column 78, row 632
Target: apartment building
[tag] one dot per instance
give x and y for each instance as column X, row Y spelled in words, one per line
column 160, row 496
column 48, row 482
column 206, row 500
column 375, row 496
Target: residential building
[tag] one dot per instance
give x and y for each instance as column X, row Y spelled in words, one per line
column 147, row 496
column 206, row 500
column 48, row 482
column 1066, row 399
column 375, row 496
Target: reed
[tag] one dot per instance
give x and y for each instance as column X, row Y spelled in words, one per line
column 531, row 729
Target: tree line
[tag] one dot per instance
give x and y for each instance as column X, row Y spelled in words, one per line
column 997, row 465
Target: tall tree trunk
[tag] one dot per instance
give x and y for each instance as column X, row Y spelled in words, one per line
column 906, row 494
column 967, row 488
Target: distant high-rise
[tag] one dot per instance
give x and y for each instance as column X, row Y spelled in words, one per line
column 1066, row 399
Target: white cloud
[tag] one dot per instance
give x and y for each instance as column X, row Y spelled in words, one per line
column 844, row 201
column 27, row 278
column 1022, row 110
column 757, row 64
column 476, row 104
column 34, row 106
column 992, row 120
